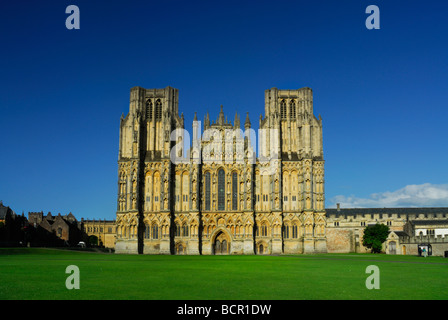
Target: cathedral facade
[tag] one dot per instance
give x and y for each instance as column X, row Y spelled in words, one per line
column 211, row 191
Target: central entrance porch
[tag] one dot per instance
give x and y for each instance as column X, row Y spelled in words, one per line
column 221, row 243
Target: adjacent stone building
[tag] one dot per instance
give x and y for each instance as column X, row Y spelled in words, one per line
column 64, row 227
column 215, row 195
column 71, row 231
column 411, row 229
column 103, row 230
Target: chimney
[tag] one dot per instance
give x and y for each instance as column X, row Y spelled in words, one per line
column 338, row 206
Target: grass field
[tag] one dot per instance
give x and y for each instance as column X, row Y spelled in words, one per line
column 40, row 274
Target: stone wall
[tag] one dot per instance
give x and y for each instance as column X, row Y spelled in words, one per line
column 409, row 245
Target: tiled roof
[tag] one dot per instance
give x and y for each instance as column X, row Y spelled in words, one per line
column 429, row 222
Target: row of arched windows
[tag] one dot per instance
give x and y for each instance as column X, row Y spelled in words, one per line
column 263, row 188
column 221, row 194
column 292, row 109
column 127, row 231
column 152, row 191
column 152, row 232
column 288, row 231
column 181, row 231
column 182, row 191
column 149, row 110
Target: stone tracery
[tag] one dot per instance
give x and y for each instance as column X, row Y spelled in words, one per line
column 272, row 205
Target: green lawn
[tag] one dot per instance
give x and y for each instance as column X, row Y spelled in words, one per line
column 40, row 274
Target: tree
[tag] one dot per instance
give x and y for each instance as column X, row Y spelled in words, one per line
column 374, row 236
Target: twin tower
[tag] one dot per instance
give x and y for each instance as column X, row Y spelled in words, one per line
column 211, row 191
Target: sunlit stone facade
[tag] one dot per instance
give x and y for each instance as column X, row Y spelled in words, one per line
column 209, row 191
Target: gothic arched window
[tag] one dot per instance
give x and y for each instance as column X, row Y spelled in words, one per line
column 178, row 234
column 283, row 109
column 286, row 231
column 185, row 230
column 264, row 230
column 292, row 109
column 146, row 231
column 294, row 231
column 221, row 189
column 207, row 191
column 234, row 191
column 155, row 231
column 158, row 109
column 148, row 109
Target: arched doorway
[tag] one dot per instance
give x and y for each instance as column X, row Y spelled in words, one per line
column 221, row 245
column 392, row 247
column 261, row 248
column 180, row 249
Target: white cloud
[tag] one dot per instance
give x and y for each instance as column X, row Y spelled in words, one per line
column 422, row 195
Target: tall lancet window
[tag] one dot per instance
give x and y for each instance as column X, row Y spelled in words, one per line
column 292, row 109
column 234, row 191
column 207, row 191
column 148, row 109
column 158, row 109
column 283, row 109
column 221, row 189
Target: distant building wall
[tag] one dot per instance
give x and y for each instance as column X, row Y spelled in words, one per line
column 410, row 245
column 345, row 229
column 104, row 230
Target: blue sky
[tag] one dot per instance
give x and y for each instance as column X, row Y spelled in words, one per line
column 381, row 93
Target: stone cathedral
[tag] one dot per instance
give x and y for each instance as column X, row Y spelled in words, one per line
column 221, row 188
